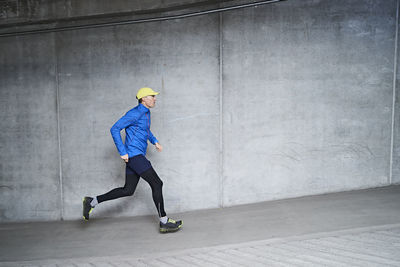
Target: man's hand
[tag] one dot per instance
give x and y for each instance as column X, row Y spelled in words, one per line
column 125, row 157
column 158, row 147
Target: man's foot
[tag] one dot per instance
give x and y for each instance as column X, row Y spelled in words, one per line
column 170, row 226
column 87, row 208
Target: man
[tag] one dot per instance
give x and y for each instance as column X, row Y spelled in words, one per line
column 136, row 123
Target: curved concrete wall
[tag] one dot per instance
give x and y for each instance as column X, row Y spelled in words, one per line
column 263, row 103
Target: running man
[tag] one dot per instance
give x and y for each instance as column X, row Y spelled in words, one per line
column 136, row 123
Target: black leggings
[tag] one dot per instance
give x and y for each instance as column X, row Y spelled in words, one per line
column 131, row 182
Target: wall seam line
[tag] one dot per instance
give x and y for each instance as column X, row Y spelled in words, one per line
column 221, row 129
column 394, row 93
column 59, row 131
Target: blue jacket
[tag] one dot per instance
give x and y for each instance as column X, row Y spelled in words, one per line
column 136, row 123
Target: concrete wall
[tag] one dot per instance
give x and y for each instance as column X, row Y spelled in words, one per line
column 307, row 98
column 32, row 11
column 29, row 169
column 263, row 103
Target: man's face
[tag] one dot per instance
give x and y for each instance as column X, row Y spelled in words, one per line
column 149, row 101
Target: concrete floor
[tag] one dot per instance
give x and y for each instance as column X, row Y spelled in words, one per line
column 340, row 229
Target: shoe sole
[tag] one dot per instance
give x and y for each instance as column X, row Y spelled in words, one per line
column 169, row 230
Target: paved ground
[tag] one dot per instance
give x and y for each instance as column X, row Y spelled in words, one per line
column 372, row 246
column 360, row 228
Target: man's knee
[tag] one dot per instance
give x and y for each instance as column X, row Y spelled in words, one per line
column 128, row 191
column 159, row 184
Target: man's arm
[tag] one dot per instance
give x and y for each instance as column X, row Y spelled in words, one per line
column 152, row 138
column 122, row 123
column 154, row 141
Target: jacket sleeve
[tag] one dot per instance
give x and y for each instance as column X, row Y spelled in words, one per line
column 152, row 138
column 122, row 123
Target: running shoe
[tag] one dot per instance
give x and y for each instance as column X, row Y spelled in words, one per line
column 170, row 226
column 87, row 208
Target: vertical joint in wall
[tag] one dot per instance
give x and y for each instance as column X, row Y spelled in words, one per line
column 221, row 129
column 60, row 177
column 394, row 93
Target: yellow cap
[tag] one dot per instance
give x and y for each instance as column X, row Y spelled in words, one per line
column 145, row 91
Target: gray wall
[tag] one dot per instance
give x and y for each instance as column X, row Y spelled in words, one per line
column 27, row 11
column 29, row 169
column 263, row 103
column 307, row 98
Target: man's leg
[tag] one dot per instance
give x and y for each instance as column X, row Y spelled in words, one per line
column 156, row 184
column 166, row 224
column 129, row 188
column 131, row 181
